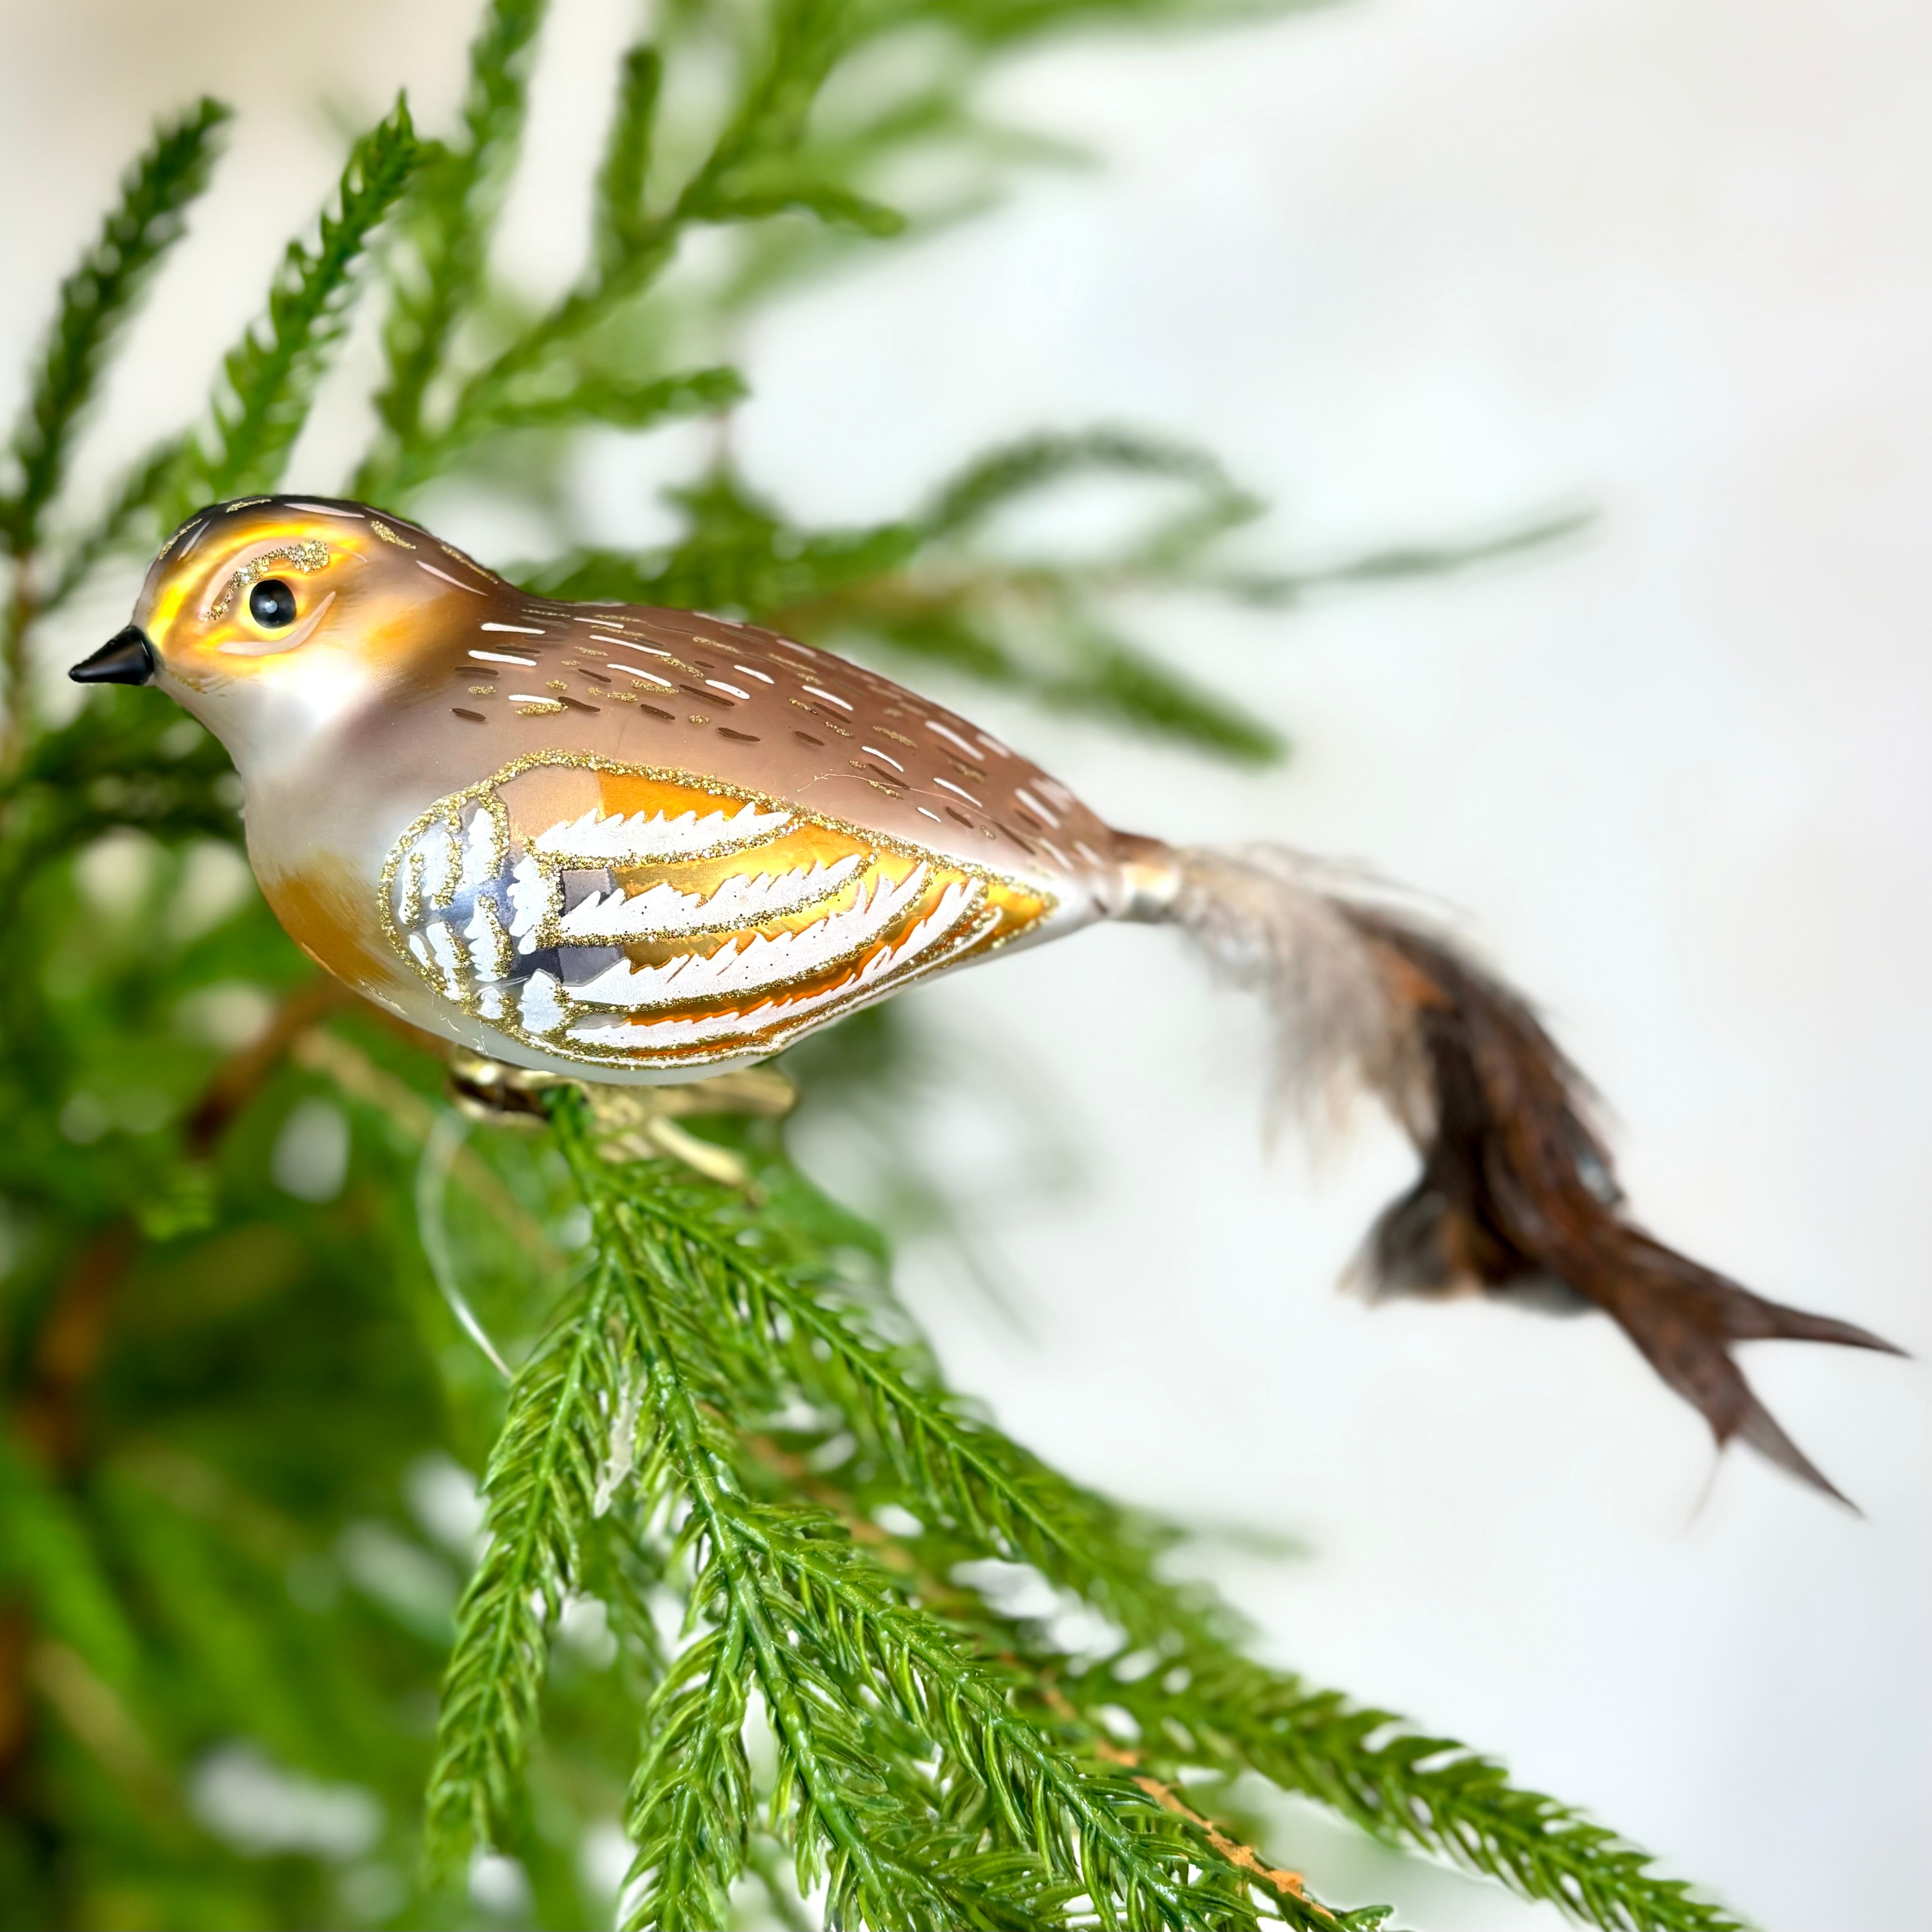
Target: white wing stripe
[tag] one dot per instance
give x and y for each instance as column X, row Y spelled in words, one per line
column 663, row 911
column 598, row 840
column 751, row 966
column 954, row 903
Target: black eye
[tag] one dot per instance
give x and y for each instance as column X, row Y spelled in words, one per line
column 272, row 603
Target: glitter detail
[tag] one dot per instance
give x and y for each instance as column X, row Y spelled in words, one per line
column 306, row 557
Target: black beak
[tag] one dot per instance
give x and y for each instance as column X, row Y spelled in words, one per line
column 125, row 659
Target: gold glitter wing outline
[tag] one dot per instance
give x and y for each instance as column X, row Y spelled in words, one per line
column 983, row 935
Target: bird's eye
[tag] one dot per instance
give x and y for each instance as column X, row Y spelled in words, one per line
column 272, row 603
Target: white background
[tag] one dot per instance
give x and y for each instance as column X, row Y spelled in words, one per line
column 1413, row 267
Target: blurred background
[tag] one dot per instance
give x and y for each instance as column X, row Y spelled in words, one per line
column 1416, row 269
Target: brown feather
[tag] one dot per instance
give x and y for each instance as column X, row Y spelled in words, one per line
column 1517, row 1187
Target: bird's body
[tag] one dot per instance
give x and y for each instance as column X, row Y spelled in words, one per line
column 641, row 845
column 601, row 836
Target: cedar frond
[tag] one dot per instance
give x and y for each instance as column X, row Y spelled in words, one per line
column 1404, row 1787
column 96, row 302
column 621, row 179
column 269, row 378
column 47, row 1558
column 448, row 232
column 541, row 1491
column 143, row 486
column 591, row 399
column 973, row 1486
column 841, row 1656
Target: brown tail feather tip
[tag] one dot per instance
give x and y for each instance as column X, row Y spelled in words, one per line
column 1515, row 1188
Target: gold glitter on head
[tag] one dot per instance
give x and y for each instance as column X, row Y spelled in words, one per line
column 305, row 557
column 388, row 535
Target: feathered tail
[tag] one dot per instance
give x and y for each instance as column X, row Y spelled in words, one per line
column 1517, row 1189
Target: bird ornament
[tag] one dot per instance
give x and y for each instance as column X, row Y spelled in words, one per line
column 626, row 844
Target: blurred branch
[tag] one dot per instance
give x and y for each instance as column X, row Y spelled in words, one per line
column 242, row 1076
column 68, row 1345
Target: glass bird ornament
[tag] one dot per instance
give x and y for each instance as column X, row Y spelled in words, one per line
column 631, row 844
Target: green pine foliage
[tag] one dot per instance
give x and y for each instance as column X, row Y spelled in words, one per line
column 722, row 1640
column 450, row 222
column 97, row 298
column 270, row 376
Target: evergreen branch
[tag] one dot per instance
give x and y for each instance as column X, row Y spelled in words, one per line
column 822, row 1626
column 1431, row 1793
column 96, row 302
column 1047, row 1799
column 1277, row 589
column 47, row 1556
column 954, row 1470
column 1056, row 1824
column 690, row 1810
column 1114, row 681
column 621, row 179
column 270, row 376
column 807, row 38
column 592, row 399
column 756, row 193
column 848, row 1820
column 746, row 176
column 456, row 206
column 1003, row 476
column 542, row 1492
column 966, row 1478
column 141, row 486
column 847, row 1817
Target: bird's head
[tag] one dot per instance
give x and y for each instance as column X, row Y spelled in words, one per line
column 274, row 618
